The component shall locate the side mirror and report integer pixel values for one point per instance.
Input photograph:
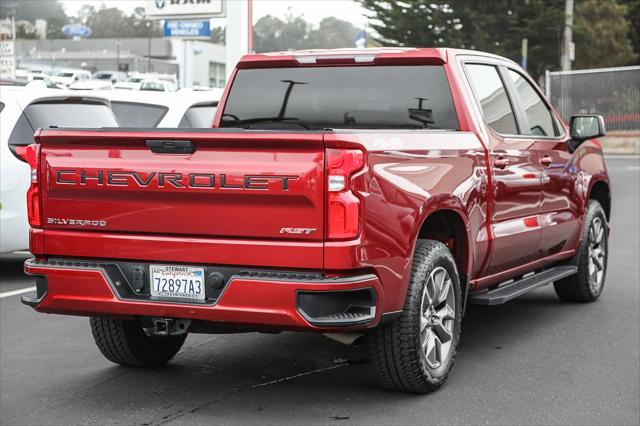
(583, 127)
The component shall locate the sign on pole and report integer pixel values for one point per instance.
(7, 59)
(189, 29)
(184, 9)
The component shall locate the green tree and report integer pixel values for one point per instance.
(414, 23)
(496, 26)
(332, 33)
(143, 27)
(113, 23)
(24, 31)
(106, 22)
(601, 35)
(30, 10)
(633, 19)
(54, 27)
(266, 34)
(273, 34)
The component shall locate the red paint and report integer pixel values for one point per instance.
(515, 219)
(258, 303)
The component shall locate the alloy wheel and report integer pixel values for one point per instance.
(437, 318)
(596, 254)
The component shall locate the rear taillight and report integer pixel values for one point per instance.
(30, 155)
(343, 206)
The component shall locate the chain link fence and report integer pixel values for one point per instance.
(612, 92)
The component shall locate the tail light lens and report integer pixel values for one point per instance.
(343, 206)
(30, 155)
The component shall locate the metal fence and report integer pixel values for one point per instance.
(612, 92)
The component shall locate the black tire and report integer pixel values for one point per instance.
(396, 348)
(124, 342)
(581, 287)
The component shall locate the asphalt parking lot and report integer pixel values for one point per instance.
(532, 361)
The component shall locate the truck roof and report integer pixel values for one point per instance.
(375, 55)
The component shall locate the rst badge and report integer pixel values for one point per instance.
(298, 231)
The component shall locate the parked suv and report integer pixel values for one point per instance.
(372, 192)
(22, 111)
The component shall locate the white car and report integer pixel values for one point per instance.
(184, 108)
(131, 83)
(135, 79)
(22, 111)
(70, 76)
(112, 76)
(92, 85)
(158, 85)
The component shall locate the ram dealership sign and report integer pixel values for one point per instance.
(161, 9)
(189, 29)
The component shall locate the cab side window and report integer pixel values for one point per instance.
(493, 98)
(538, 114)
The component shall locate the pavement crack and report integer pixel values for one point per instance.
(167, 418)
(295, 376)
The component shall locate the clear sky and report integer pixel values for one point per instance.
(312, 10)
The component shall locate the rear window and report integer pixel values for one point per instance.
(60, 114)
(131, 114)
(357, 97)
(151, 85)
(199, 116)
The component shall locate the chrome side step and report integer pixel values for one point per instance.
(512, 290)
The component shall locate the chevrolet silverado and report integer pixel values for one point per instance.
(371, 192)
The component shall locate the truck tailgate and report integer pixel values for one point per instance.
(237, 184)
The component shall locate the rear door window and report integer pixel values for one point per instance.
(199, 116)
(492, 95)
(540, 120)
(60, 114)
(132, 114)
(345, 97)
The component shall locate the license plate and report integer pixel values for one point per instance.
(177, 282)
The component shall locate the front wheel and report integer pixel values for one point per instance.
(416, 352)
(586, 285)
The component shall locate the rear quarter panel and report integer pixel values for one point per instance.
(410, 175)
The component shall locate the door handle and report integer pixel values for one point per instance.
(501, 163)
(546, 160)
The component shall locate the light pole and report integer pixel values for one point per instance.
(118, 53)
(148, 24)
(567, 39)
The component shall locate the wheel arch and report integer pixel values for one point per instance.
(449, 227)
(601, 192)
(449, 224)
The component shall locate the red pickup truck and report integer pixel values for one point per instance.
(347, 192)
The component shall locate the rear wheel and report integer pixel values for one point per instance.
(587, 284)
(416, 352)
(124, 342)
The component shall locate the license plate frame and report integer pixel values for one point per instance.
(177, 282)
